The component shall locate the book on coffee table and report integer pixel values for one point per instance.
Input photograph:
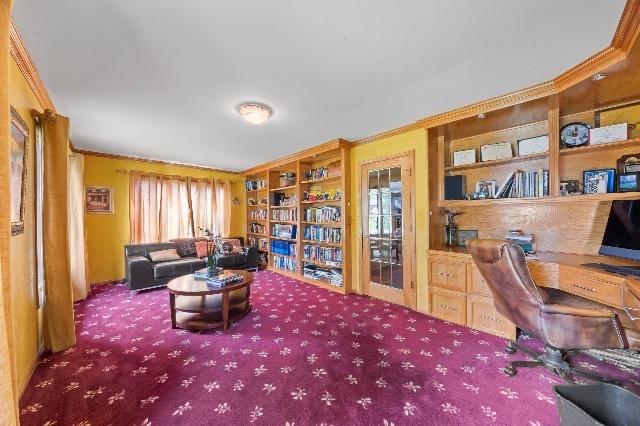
(223, 279)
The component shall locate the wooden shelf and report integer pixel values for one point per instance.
(284, 255)
(283, 207)
(586, 198)
(491, 163)
(256, 220)
(321, 264)
(284, 188)
(257, 190)
(322, 243)
(292, 222)
(602, 147)
(321, 201)
(257, 205)
(327, 179)
(255, 233)
(326, 224)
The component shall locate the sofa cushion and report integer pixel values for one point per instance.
(229, 246)
(185, 246)
(231, 260)
(201, 248)
(164, 255)
(182, 266)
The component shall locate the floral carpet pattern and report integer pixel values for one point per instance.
(303, 356)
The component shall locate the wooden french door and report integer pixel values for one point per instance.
(388, 237)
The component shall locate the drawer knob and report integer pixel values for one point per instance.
(581, 287)
(490, 318)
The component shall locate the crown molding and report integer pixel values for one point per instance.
(21, 55)
(309, 152)
(628, 27)
(146, 160)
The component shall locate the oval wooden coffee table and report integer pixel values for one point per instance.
(197, 306)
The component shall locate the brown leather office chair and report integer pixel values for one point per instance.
(562, 321)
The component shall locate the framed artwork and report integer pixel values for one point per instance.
(533, 145)
(464, 236)
(599, 181)
(98, 199)
(19, 150)
(628, 163)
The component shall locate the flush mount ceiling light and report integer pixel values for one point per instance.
(254, 113)
(598, 77)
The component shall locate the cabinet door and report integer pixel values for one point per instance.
(448, 305)
(457, 278)
(439, 272)
(483, 316)
(477, 283)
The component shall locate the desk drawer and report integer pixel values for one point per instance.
(476, 283)
(483, 316)
(448, 305)
(590, 288)
(449, 274)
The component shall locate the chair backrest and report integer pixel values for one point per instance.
(515, 295)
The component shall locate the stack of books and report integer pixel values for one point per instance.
(326, 275)
(520, 184)
(220, 280)
(523, 240)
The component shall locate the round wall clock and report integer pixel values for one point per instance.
(575, 134)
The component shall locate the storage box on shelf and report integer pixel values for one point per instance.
(306, 192)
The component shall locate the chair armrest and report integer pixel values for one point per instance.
(138, 271)
(251, 253)
(576, 311)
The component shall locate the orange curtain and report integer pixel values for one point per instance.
(223, 207)
(203, 205)
(175, 215)
(77, 236)
(8, 386)
(59, 329)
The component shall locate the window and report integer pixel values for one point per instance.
(163, 207)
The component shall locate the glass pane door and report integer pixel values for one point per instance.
(385, 227)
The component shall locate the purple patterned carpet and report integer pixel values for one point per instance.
(303, 356)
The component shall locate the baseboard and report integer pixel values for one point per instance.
(22, 386)
(119, 281)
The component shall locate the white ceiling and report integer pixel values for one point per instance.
(162, 79)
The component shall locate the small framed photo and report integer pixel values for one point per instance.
(599, 181)
(467, 156)
(629, 182)
(568, 187)
(98, 199)
(486, 188)
(534, 145)
(628, 163)
(464, 236)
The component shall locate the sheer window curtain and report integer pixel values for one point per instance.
(162, 208)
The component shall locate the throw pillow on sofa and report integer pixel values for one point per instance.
(230, 246)
(185, 246)
(164, 255)
(201, 248)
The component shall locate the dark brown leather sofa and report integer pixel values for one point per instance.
(141, 273)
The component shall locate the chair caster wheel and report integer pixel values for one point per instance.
(510, 350)
(509, 371)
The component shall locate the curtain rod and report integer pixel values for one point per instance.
(163, 176)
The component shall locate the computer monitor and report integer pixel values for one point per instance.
(622, 234)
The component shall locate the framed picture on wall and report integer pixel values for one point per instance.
(98, 199)
(18, 152)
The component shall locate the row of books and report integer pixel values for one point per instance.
(323, 214)
(330, 256)
(286, 263)
(327, 275)
(284, 248)
(258, 214)
(284, 214)
(284, 231)
(254, 185)
(220, 280)
(257, 228)
(322, 234)
(280, 199)
(261, 243)
(520, 184)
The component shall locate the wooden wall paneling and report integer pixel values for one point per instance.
(572, 165)
(554, 145)
(435, 178)
(346, 218)
(557, 227)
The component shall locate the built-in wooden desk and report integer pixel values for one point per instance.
(458, 293)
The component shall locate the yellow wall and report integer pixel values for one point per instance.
(26, 316)
(415, 140)
(107, 234)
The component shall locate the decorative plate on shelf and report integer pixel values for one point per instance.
(575, 134)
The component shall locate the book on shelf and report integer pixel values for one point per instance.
(323, 234)
(322, 214)
(284, 231)
(283, 248)
(330, 276)
(286, 263)
(521, 184)
(328, 255)
(256, 184)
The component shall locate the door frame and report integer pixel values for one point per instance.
(410, 246)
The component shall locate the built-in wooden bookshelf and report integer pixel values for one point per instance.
(321, 185)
